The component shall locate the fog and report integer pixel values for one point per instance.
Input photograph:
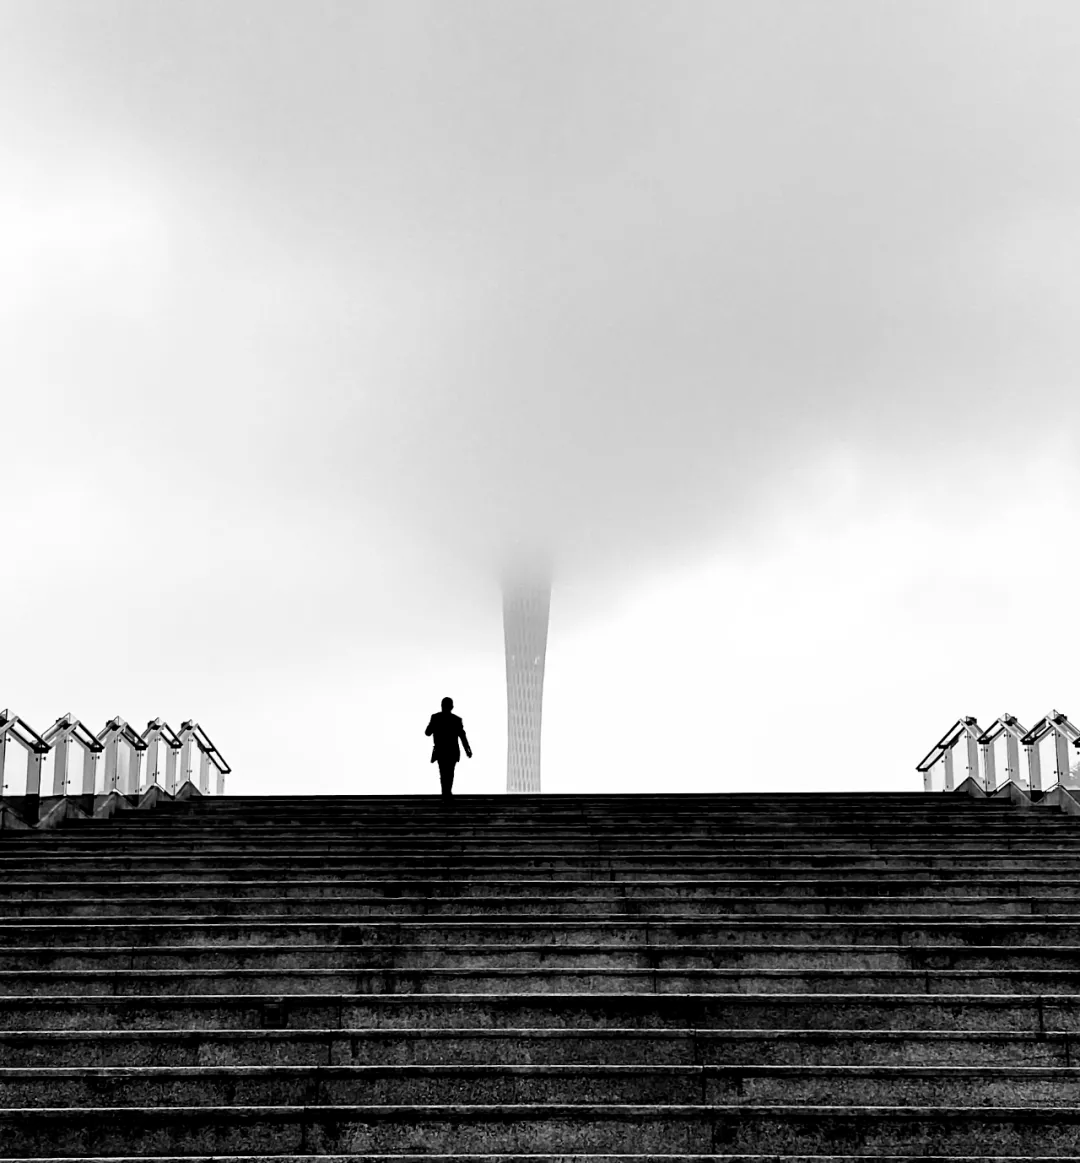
(316, 314)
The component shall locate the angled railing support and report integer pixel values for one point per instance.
(1009, 726)
(1065, 733)
(123, 756)
(14, 727)
(59, 737)
(209, 757)
(942, 751)
(158, 732)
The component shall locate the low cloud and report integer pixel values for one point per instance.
(337, 295)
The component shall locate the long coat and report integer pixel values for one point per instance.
(447, 728)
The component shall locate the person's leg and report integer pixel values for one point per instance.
(446, 775)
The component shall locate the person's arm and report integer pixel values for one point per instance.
(431, 726)
(464, 741)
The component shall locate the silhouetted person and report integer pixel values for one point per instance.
(447, 728)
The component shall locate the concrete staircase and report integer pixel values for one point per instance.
(737, 976)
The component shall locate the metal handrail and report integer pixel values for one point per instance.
(943, 750)
(1056, 723)
(123, 749)
(190, 731)
(156, 733)
(14, 727)
(60, 737)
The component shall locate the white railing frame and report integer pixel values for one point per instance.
(1065, 733)
(209, 756)
(1016, 735)
(59, 737)
(14, 727)
(116, 739)
(117, 734)
(1014, 731)
(158, 732)
(964, 728)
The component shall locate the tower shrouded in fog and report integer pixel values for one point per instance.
(526, 603)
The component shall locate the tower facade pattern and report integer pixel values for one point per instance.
(525, 626)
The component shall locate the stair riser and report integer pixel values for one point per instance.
(134, 891)
(553, 1010)
(514, 908)
(18, 900)
(1035, 847)
(904, 930)
(534, 1130)
(482, 1047)
(175, 870)
(159, 983)
(687, 1088)
(426, 957)
(818, 834)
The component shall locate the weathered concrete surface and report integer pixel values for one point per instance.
(778, 977)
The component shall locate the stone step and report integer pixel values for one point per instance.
(544, 941)
(540, 846)
(123, 958)
(609, 802)
(652, 837)
(564, 1157)
(457, 822)
(600, 868)
(639, 931)
(73, 909)
(547, 807)
(542, 980)
(648, 831)
(736, 1010)
(613, 1045)
(131, 888)
(573, 1084)
(531, 1128)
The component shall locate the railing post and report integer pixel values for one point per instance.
(186, 735)
(948, 770)
(1012, 758)
(61, 747)
(989, 768)
(172, 754)
(89, 771)
(111, 757)
(972, 758)
(151, 737)
(134, 766)
(1034, 766)
(34, 760)
(3, 758)
(1061, 758)
(204, 772)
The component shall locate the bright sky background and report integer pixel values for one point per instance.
(762, 317)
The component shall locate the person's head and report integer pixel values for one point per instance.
(448, 704)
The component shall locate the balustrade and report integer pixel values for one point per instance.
(124, 751)
(980, 743)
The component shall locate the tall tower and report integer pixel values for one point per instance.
(526, 602)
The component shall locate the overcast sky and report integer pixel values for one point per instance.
(760, 318)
